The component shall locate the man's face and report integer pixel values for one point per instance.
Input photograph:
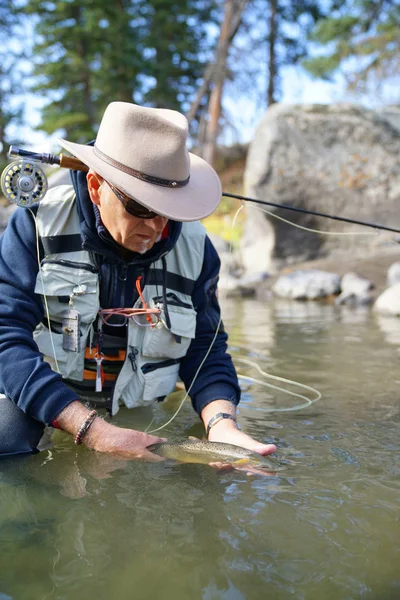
(133, 233)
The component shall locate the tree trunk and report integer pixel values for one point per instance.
(212, 73)
(272, 52)
(214, 108)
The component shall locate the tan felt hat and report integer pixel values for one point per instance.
(142, 151)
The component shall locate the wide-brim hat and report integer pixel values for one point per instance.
(142, 151)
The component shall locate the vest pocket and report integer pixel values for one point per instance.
(61, 280)
(174, 343)
(159, 381)
(70, 364)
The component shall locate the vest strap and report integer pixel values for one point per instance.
(172, 280)
(56, 244)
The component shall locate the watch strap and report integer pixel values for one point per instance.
(216, 419)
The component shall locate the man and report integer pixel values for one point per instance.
(124, 300)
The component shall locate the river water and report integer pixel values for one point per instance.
(74, 524)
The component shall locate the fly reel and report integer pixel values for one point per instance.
(23, 182)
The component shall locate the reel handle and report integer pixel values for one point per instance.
(69, 162)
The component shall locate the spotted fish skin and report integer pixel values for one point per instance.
(204, 452)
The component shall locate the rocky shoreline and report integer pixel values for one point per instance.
(372, 266)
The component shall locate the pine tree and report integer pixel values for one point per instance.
(86, 55)
(362, 35)
(176, 47)
(91, 52)
(280, 36)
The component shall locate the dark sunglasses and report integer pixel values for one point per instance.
(131, 206)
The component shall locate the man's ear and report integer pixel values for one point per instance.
(94, 182)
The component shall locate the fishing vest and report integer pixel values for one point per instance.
(68, 277)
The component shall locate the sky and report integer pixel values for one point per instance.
(297, 88)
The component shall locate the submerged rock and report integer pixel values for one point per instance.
(355, 290)
(310, 284)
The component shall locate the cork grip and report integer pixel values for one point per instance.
(68, 162)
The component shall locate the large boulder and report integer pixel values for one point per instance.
(338, 159)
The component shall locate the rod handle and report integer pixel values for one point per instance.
(68, 162)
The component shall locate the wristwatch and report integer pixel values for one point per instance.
(216, 418)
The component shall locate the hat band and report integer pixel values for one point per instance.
(138, 174)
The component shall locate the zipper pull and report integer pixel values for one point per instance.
(132, 357)
(99, 372)
(123, 274)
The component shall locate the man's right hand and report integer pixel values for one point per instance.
(107, 438)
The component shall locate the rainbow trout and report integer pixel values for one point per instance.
(194, 450)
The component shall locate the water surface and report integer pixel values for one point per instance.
(74, 524)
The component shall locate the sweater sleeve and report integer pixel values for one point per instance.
(25, 378)
(217, 379)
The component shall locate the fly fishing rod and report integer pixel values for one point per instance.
(311, 212)
(24, 183)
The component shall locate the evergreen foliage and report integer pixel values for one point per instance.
(90, 52)
(276, 35)
(364, 36)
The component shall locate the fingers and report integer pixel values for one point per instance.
(150, 457)
(221, 467)
(254, 471)
(264, 449)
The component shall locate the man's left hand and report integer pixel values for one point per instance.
(233, 435)
(226, 430)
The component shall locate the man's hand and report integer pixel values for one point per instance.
(121, 442)
(107, 438)
(227, 430)
(232, 435)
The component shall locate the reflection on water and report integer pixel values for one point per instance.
(75, 524)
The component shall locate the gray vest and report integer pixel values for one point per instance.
(72, 274)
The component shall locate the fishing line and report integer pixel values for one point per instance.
(43, 288)
(37, 180)
(311, 212)
(308, 402)
(318, 394)
(208, 351)
(271, 214)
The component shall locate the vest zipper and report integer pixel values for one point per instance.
(123, 276)
(70, 263)
(149, 367)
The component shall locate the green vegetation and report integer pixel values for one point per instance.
(88, 52)
(363, 36)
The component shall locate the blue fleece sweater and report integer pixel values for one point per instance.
(29, 381)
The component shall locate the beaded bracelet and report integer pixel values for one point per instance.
(85, 427)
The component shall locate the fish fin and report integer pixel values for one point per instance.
(240, 461)
(192, 438)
